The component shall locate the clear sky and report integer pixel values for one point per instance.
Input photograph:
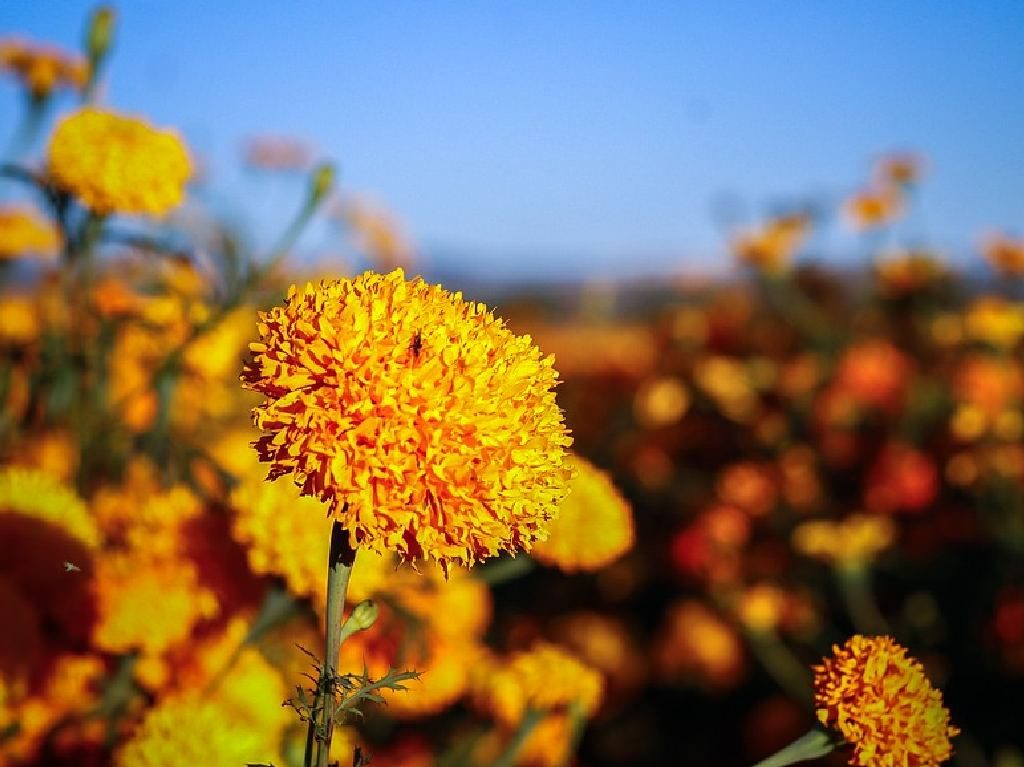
(549, 138)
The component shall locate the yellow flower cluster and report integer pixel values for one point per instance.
(594, 526)
(429, 428)
(849, 543)
(544, 678)
(187, 731)
(883, 705)
(41, 68)
(23, 232)
(118, 164)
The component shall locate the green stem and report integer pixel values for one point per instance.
(813, 745)
(503, 570)
(531, 719)
(783, 666)
(855, 586)
(340, 560)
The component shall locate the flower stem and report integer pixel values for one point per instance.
(813, 745)
(342, 557)
(531, 719)
(855, 586)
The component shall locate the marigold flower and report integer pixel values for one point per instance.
(661, 401)
(426, 425)
(543, 678)
(902, 479)
(594, 526)
(36, 494)
(23, 232)
(117, 164)
(1004, 254)
(189, 731)
(849, 543)
(883, 704)
(900, 169)
(772, 247)
(874, 373)
(872, 208)
(995, 321)
(42, 68)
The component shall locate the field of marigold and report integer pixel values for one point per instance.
(257, 512)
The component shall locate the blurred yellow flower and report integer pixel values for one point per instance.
(192, 731)
(36, 494)
(21, 323)
(883, 705)
(544, 678)
(1004, 254)
(117, 164)
(872, 208)
(594, 526)
(42, 68)
(899, 169)
(995, 321)
(661, 401)
(762, 607)
(905, 272)
(24, 232)
(695, 641)
(429, 428)
(849, 543)
(771, 248)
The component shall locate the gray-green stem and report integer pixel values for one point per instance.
(531, 719)
(340, 560)
(813, 745)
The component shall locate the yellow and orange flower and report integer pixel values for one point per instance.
(426, 425)
(594, 526)
(1004, 254)
(772, 247)
(118, 164)
(695, 642)
(24, 232)
(883, 705)
(849, 544)
(42, 68)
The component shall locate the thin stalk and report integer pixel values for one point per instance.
(342, 557)
(855, 586)
(531, 719)
(781, 664)
(813, 745)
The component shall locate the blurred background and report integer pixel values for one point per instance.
(777, 252)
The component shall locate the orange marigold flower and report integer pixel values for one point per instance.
(694, 641)
(771, 248)
(42, 68)
(23, 232)
(427, 426)
(594, 526)
(872, 208)
(118, 164)
(883, 704)
(874, 373)
(899, 169)
(1004, 254)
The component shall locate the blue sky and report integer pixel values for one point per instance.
(528, 138)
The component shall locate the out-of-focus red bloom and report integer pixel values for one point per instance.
(875, 374)
(902, 480)
(711, 547)
(748, 486)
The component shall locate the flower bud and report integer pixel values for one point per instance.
(363, 616)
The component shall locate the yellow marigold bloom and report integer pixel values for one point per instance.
(33, 493)
(117, 164)
(904, 272)
(1004, 254)
(761, 607)
(900, 169)
(42, 68)
(21, 323)
(996, 321)
(883, 704)
(594, 526)
(772, 247)
(873, 208)
(189, 731)
(695, 641)
(661, 401)
(850, 543)
(283, 535)
(23, 232)
(429, 428)
(543, 678)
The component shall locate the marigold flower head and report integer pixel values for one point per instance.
(426, 425)
(995, 321)
(772, 247)
(543, 678)
(850, 543)
(883, 705)
(875, 373)
(24, 232)
(189, 731)
(1004, 254)
(118, 164)
(594, 526)
(34, 493)
(42, 68)
(873, 208)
